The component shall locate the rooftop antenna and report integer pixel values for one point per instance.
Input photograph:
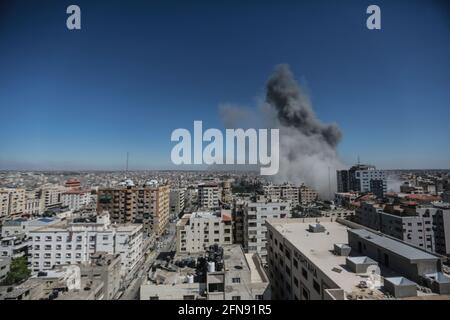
(126, 169)
(358, 160)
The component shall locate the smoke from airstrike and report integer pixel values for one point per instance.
(307, 146)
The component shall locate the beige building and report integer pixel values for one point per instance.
(12, 202)
(208, 195)
(32, 203)
(148, 204)
(307, 195)
(51, 196)
(198, 230)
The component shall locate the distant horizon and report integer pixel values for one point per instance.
(136, 71)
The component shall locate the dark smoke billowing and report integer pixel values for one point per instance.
(307, 146)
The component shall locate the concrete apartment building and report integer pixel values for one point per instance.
(255, 216)
(104, 267)
(424, 227)
(208, 195)
(33, 203)
(307, 195)
(230, 275)
(147, 204)
(198, 230)
(238, 221)
(362, 178)
(76, 199)
(12, 203)
(50, 196)
(72, 242)
(285, 192)
(176, 201)
(326, 260)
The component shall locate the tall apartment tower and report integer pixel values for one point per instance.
(255, 216)
(147, 204)
(362, 178)
(208, 195)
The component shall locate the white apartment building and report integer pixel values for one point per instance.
(75, 242)
(76, 199)
(198, 230)
(255, 216)
(208, 195)
(365, 177)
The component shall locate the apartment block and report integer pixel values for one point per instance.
(323, 260)
(255, 216)
(424, 227)
(12, 202)
(76, 199)
(362, 178)
(307, 195)
(75, 242)
(176, 201)
(208, 195)
(198, 230)
(147, 204)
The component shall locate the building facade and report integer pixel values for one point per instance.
(76, 242)
(198, 230)
(148, 205)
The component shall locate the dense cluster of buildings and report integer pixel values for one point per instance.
(233, 236)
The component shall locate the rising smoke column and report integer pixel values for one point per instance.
(307, 146)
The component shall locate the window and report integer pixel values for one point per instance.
(305, 294)
(288, 271)
(296, 282)
(316, 286)
(236, 298)
(296, 264)
(236, 280)
(305, 273)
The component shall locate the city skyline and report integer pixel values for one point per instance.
(134, 73)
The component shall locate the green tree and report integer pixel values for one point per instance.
(18, 271)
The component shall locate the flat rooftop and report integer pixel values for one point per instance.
(396, 247)
(318, 248)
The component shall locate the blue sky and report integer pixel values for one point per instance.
(140, 69)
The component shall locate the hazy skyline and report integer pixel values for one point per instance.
(138, 70)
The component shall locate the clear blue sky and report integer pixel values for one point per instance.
(139, 69)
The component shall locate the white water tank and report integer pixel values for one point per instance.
(211, 267)
(190, 278)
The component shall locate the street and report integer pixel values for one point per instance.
(166, 243)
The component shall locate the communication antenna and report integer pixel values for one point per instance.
(358, 160)
(126, 168)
